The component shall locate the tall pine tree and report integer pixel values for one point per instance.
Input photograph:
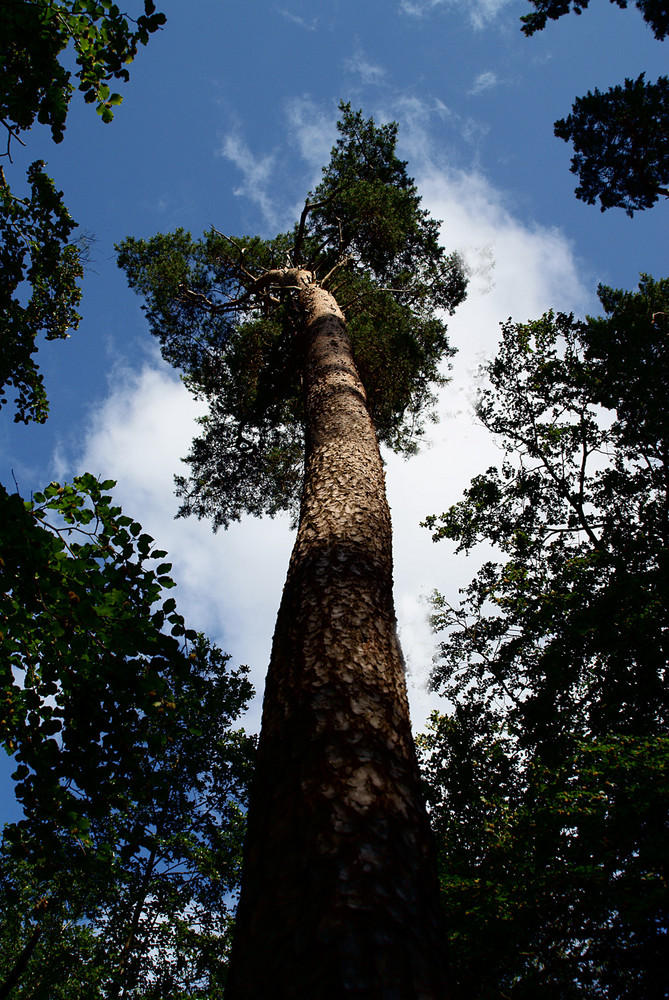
(310, 348)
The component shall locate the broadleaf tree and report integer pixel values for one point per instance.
(310, 348)
(131, 777)
(619, 135)
(117, 881)
(549, 777)
(40, 260)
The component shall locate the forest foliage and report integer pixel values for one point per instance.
(119, 719)
(620, 134)
(40, 258)
(548, 777)
(548, 781)
(132, 780)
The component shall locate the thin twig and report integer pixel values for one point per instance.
(342, 262)
(12, 135)
(240, 249)
(309, 207)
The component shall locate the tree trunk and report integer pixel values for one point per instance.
(339, 892)
(21, 964)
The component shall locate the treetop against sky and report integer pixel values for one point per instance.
(226, 121)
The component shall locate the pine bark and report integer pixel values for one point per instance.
(339, 891)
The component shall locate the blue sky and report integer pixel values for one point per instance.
(228, 116)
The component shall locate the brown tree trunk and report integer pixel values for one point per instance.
(23, 959)
(339, 893)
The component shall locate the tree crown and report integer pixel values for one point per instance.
(621, 144)
(33, 35)
(226, 312)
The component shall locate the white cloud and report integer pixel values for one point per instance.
(229, 584)
(367, 71)
(313, 130)
(302, 22)
(257, 172)
(484, 81)
(480, 12)
(422, 120)
(473, 130)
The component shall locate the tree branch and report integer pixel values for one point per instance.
(309, 207)
(24, 956)
(342, 262)
(241, 250)
(12, 135)
(280, 277)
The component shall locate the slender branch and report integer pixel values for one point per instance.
(300, 230)
(240, 249)
(585, 454)
(311, 263)
(120, 985)
(356, 298)
(21, 963)
(342, 262)
(563, 490)
(197, 298)
(12, 135)
(283, 277)
(309, 207)
(554, 529)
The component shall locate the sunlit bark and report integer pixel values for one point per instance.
(339, 892)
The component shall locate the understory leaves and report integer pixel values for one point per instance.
(132, 781)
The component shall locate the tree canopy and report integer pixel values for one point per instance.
(621, 143)
(119, 878)
(225, 312)
(549, 779)
(35, 248)
(620, 134)
(654, 13)
(41, 262)
(35, 83)
(132, 782)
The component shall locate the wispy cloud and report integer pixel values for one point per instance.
(484, 81)
(417, 117)
(256, 173)
(309, 25)
(313, 133)
(312, 130)
(362, 67)
(480, 12)
(473, 130)
(424, 124)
